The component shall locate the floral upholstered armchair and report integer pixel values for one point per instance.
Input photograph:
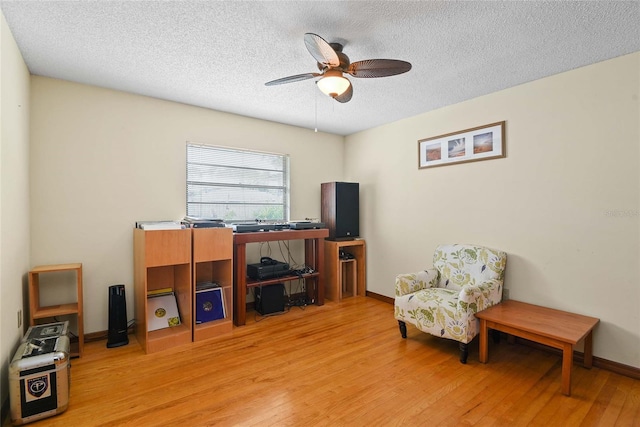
(443, 300)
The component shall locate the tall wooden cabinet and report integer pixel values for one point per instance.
(212, 261)
(162, 259)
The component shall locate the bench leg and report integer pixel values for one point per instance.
(567, 366)
(484, 341)
(588, 350)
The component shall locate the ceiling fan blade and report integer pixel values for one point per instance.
(321, 50)
(346, 96)
(370, 68)
(291, 79)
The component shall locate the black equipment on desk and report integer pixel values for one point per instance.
(251, 227)
(267, 268)
(306, 225)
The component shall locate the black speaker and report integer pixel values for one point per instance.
(117, 317)
(270, 299)
(341, 209)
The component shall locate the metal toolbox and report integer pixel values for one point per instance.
(46, 331)
(39, 374)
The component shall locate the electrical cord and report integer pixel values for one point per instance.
(289, 255)
(285, 254)
(267, 244)
(302, 301)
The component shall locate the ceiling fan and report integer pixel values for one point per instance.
(332, 63)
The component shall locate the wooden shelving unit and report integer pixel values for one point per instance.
(39, 314)
(162, 259)
(212, 261)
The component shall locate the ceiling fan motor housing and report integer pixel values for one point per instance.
(343, 58)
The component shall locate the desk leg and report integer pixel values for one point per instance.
(484, 341)
(240, 284)
(567, 365)
(314, 254)
(588, 350)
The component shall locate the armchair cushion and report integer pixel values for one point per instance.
(434, 310)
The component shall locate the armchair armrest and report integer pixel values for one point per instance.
(476, 297)
(413, 282)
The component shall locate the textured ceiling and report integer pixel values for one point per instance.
(219, 54)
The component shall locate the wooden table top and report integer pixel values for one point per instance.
(557, 324)
(274, 235)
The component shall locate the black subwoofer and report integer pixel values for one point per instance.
(341, 209)
(270, 299)
(117, 335)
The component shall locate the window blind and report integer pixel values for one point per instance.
(236, 185)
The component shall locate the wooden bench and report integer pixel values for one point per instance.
(555, 328)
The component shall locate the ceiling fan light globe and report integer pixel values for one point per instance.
(333, 85)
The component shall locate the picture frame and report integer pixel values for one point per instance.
(469, 145)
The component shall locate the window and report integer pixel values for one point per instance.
(237, 185)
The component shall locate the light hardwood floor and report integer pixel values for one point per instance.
(339, 364)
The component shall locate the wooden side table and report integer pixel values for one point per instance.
(555, 328)
(333, 266)
(38, 312)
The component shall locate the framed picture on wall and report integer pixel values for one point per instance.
(479, 143)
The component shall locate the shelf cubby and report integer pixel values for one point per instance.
(212, 258)
(162, 259)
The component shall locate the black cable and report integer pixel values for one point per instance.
(280, 244)
(292, 261)
(262, 244)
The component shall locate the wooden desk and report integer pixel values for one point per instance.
(313, 255)
(555, 328)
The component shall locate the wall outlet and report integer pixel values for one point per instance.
(505, 294)
(19, 318)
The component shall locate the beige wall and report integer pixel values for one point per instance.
(564, 203)
(14, 195)
(103, 159)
